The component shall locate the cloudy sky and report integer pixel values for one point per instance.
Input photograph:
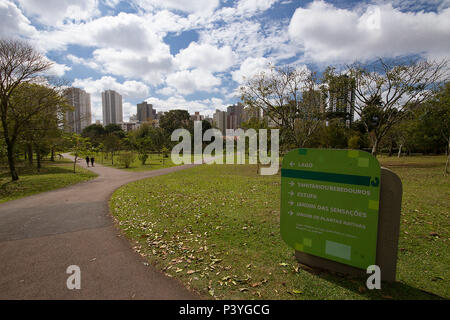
(194, 54)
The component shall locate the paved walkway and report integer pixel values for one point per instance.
(41, 235)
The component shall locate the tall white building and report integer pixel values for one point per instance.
(220, 120)
(112, 107)
(81, 116)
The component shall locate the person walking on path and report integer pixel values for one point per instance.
(87, 160)
(92, 161)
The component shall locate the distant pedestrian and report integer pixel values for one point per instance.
(87, 161)
(92, 161)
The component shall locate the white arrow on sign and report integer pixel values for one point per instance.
(291, 203)
(292, 164)
(290, 213)
(292, 183)
(291, 193)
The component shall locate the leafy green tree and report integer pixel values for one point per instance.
(391, 90)
(115, 129)
(19, 64)
(175, 119)
(335, 135)
(42, 132)
(95, 132)
(112, 144)
(354, 142)
(143, 146)
(79, 147)
(126, 158)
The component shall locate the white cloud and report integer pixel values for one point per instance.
(126, 45)
(199, 7)
(243, 9)
(328, 34)
(249, 68)
(124, 31)
(128, 63)
(58, 70)
(190, 81)
(205, 107)
(252, 6)
(244, 37)
(128, 110)
(167, 91)
(56, 12)
(206, 57)
(13, 23)
(84, 62)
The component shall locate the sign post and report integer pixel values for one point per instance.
(330, 208)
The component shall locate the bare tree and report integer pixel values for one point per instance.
(280, 94)
(390, 89)
(19, 63)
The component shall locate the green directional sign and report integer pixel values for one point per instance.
(329, 204)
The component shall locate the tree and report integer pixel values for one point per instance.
(334, 135)
(42, 130)
(354, 142)
(19, 63)
(435, 123)
(79, 146)
(143, 146)
(289, 97)
(95, 133)
(175, 119)
(126, 158)
(115, 129)
(391, 89)
(111, 144)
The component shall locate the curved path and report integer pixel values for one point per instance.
(41, 235)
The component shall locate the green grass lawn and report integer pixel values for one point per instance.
(51, 176)
(216, 229)
(154, 162)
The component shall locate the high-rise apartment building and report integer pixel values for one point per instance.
(197, 117)
(341, 99)
(112, 107)
(220, 120)
(250, 113)
(145, 112)
(234, 116)
(81, 116)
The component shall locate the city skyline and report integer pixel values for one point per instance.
(194, 56)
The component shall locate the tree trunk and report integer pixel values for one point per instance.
(12, 163)
(400, 151)
(446, 164)
(74, 164)
(30, 153)
(448, 157)
(52, 156)
(391, 147)
(375, 148)
(38, 159)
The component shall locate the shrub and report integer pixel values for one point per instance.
(126, 158)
